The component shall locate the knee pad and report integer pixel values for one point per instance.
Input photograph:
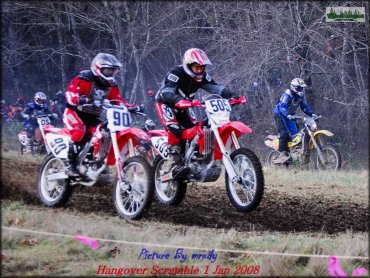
(174, 134)
(30, 131)
(77, 133)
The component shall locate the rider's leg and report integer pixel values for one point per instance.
(77, 130)
(174, 141)
(169, 119)
(30, 134)
(283, 140)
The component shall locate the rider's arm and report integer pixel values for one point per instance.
(77, 88)
(284, 104)
(209, 85)
(306, 108)
(26, 112)
(168, 91)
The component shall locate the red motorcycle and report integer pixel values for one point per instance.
(213, 142)
(134, 189)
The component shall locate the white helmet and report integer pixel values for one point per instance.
(149, 124)
(297, 85)
(104, 66)
(195, 56)
(40, 98)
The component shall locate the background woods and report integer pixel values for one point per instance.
(256, 48)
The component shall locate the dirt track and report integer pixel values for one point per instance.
(206, 206)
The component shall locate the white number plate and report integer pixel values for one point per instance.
(58, 144)
(118, 118)
(161, 145)
(217, 105)
(43, 121)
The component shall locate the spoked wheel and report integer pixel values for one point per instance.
(171, 192)
(52, 183)
(246, 194)
(134, 195)
(332, 159)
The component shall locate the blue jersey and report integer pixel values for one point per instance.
(288, 103)
(33, 109)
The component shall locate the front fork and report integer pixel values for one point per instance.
(317, 147)
(226, 159)
(118, 158)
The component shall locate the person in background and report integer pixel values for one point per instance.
(37, 107)
(284, 110)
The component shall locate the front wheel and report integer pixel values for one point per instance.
(171, 192)
(245, 194)
(52, 182)
(133, 197)
(332, 159)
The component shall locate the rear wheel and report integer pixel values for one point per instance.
(171, 192)
(332, 159)
(133, 197)
(246, 194)
(52, 183)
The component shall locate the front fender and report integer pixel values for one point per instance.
(318, 134)
(123, 137)
(238, 127)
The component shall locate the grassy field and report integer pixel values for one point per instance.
(34, 254)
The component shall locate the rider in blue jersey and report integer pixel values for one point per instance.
(38, 106)
(288, 103)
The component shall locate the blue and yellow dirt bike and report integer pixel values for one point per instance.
(308, 145)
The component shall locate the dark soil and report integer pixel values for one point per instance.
(204, 206)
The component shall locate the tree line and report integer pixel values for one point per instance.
(255, 47)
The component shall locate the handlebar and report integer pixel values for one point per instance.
(294, 117)
(183, 104)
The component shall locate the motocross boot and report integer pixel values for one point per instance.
(28, 146)
(71, 163)
(282, 158)
(178, 168)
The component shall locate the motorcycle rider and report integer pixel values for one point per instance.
(90, 87)
(148, 125)
(181, 83)
(38, 106)
(283, 112)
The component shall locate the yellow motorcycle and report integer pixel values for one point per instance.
(309, 144)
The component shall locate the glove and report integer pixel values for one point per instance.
(290, 117)
(183, 104)
(27, 117)
(97, 103)
(314, 116)
(83, 100)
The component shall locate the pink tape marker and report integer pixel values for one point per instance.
(335, 270)
(93, 243)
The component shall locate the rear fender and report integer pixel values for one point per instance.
(123, 137)
(319, 133)
(239, 128)
(272, 141)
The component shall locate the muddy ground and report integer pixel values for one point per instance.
(208, 206)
